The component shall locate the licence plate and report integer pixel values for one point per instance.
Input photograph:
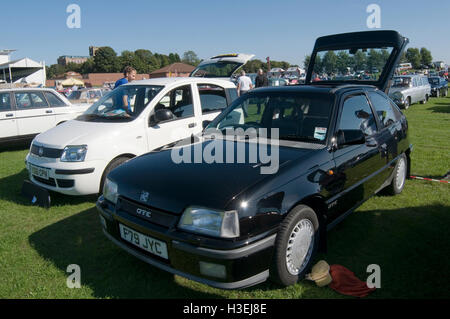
(145, 242)
(39, 171)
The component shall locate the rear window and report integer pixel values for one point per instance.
(212, 98)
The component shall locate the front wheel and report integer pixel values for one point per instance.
(295, 246)
(112, 165)
(407, 103)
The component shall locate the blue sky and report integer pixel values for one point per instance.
(283, 29)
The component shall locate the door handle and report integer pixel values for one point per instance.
(9, 115)
(192, 125)
(49, 111)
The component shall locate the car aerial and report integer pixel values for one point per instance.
(88, 96)
(74, 158)
(26, 112)
(229, 224)
(439, 86)
(409, 89)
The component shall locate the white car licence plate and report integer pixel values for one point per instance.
(39, 171)
(145, 242)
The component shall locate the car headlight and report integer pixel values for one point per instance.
(110, 191)
(74, 153)
(210, 222)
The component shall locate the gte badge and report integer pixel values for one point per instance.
(144, 213)
(144, 196)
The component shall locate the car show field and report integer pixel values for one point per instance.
(406, 235)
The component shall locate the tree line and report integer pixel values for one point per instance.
(106, 60)
(371, 60)
(144, 61)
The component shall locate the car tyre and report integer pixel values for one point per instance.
(112, 165)
(400, 172)
(407, 103)
(295, 246)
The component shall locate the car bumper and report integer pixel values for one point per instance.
(79, 178)
(244, 265)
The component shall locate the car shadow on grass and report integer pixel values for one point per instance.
(106, 269)
(14, 146)
(11, 190)
(440, 108)
(409, 244)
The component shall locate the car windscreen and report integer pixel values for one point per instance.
(75, 95)
(123, 104)
(296, 116)
(216, 69)
(365, 64)
(433, 81)
(400, 82)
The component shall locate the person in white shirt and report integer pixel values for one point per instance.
(244, 84)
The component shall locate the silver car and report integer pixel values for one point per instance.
(410, 89)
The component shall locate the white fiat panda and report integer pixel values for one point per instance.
(75, 157)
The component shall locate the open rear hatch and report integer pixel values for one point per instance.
(221, 66)
(367, 57)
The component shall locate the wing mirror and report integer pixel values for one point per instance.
(350, 137)
(161, 115)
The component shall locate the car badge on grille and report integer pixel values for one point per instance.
(144, 196)
(41, 151)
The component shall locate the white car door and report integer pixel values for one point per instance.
(186, 119)
(8, 123)
(33, 114)
(61, 109)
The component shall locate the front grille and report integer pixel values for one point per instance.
(157, 217)
(46, 151)
(65, 183)
(49, 182)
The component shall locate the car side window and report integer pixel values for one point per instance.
(212, 98)
(53, 100)
(179, 101)
(29, 100)
(5, 102)
(357, 114)
(383, 108)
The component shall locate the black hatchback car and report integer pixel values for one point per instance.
(233, 221)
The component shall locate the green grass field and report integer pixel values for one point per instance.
(407, 235)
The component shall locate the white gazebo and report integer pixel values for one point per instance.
(23, 71)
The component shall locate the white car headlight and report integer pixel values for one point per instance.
(210, 222)
(74, 153)
(110, 191)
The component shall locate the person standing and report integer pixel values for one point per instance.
(129, 75)
(261, 80)
(244, 84)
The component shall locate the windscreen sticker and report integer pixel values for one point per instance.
(320, 133)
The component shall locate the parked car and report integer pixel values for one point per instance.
(88, 96)
(26, 112)
(439, 86)
(410, 89)
(74, 158)
(222, 66)
(227, 225)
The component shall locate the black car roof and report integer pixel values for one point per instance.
(315, 88)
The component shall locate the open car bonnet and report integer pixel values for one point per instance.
(221, 66)
(367, 57)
